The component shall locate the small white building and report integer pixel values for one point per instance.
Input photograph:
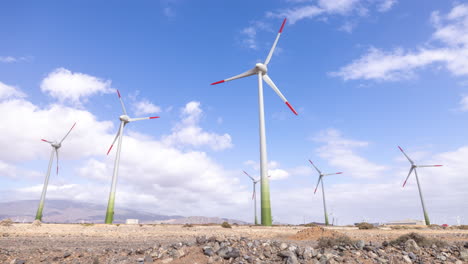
(407, 222)
(131, 222)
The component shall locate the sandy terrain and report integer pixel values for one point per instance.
(31, 242)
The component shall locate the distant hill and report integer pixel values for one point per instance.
(65, 211)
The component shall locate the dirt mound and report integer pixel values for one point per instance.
(6, 222)
(36, 223)
(314, 233)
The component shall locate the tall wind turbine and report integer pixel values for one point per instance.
(55, 147)
(320, 180)
(254, 195)
(124, 120)
(261, 70)
(413, 168)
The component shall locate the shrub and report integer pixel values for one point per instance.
(6, 222)
(226, 225)
(419, 239)
(463, 227)
(187, 225)
(87, 224)
(328, 242)
(365, 225)
(309, 225)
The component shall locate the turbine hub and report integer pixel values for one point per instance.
(261, 68)
(124, 118)
(56, 145)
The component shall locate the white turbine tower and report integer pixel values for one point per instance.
(413, 168)
(124, 120)
(261, 70)
(55, 147)
(320, 180)
(254, 195)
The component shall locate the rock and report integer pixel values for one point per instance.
(458, 262)
(411, 246)
(66, 255)
(148, 259)
(208, 251)
(140, 260)
(442, 257)
(308, 253)
(372, 255)
(18, 261)
(412, 256)
(407, 259)
(290, 256)
(283, 246)
(464, 254)
(201, 240)
(360, 244)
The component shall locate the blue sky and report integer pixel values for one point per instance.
(365, 76)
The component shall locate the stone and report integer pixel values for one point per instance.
(140, 260)
(208, 251)
(442, 257)
(372, 255)
(201, 240)
(308, 253)
(360, 244)
(290, 256)
(66, 255)
(18, 261)
(412, 246)
(464, 254)
(283, 246)
(407, 259)
(412, 256)
(148, 259)
(167, 260)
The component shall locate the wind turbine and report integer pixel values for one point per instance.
(124, 120)
(413, 168)
(261, 70)
(55, 147)
(320, 180)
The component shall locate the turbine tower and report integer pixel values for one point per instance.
(55, 147)
(124, 120)
(413, 168)
(320, 180)
(254, 196)
(261, 70)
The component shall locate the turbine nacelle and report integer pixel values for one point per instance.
(56, 144)
(124, 118)
(260, 67)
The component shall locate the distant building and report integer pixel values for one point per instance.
(406, 222)
(131, 221)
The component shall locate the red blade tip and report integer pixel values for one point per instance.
(315, 190)
(153, 117)
(282, 26)
(438, 165)
(44, 140)
(217, 82)
(118, 93)
(400, 148)
(109, 149)
(290, 107)
(339, 173)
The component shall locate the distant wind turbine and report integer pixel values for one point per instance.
(254, 196)
(124, 120)
(413, 168)
(55, 147)
(320, 180)
(261, 70)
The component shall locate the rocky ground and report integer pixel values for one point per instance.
(176, 244)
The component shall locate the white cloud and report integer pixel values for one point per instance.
(145, 107)
(7, 91)
(452, 52)
(189, 133)
(75, 88)
(464, 103)
(274, 170)
(8, 59)
(386, 5)
(341, 154)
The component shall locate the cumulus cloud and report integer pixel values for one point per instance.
(274, 170)
(145, 107)
(8, 91)
(450, 51)
(341, 154)
(189, 133)
(66, 86)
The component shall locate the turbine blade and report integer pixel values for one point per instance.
(56, 153)
(47, 141)
(249, 176)
(429, 166)
(143, 118)
(113, 142)
(242, 75)
(272, 50)
(410, 160)
(320, 178)
(122, 103)
(270, 82)
(253, 194)
(409, 174)
(328, 174)
(67, 133)
(315, 167)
